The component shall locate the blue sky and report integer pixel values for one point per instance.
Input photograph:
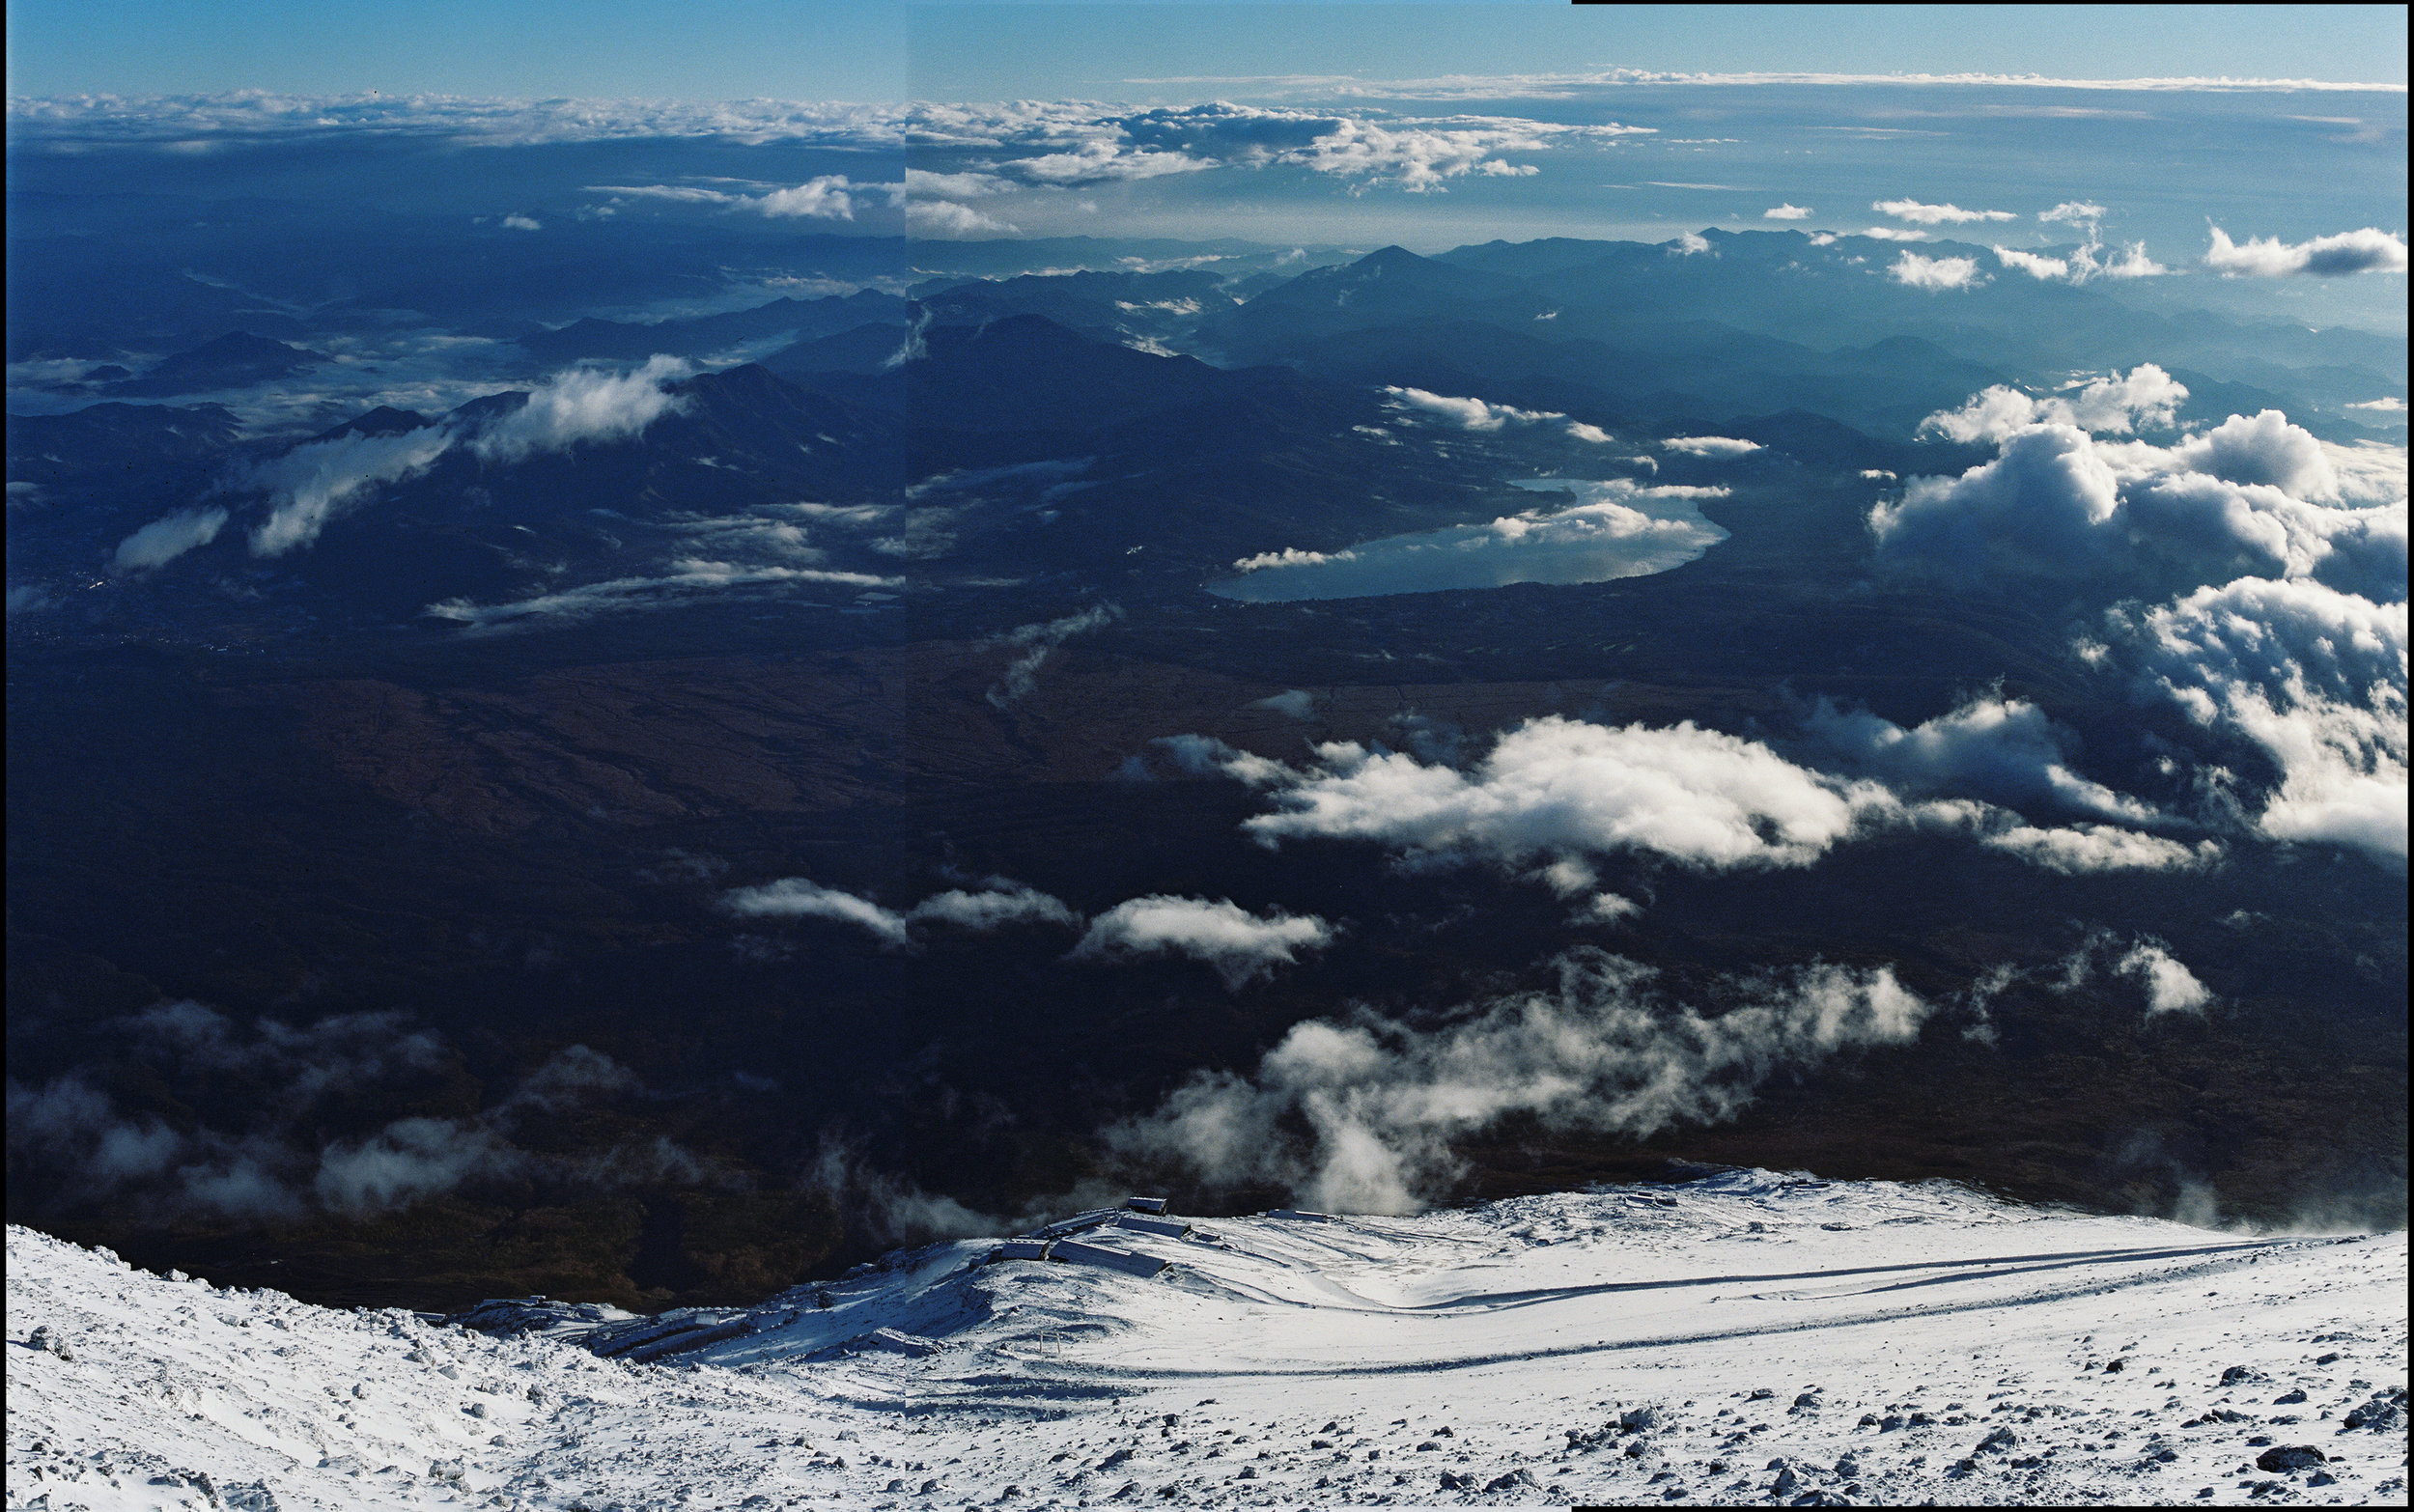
(804, 50)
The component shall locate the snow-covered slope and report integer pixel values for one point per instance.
(1747, 1338)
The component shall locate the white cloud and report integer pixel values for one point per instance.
(1360, 1113)
(797, 898)
(2370, 251)
(1691, 243)
(954, 185)
(1037, 642)
(1593, 433)
(310, 483)
(1615, 529)
(1936, 272)
(1999, 748)
(2032, 264)
(1240, 945)
(2083, 849)
(1786, 213)
(2240, 499)
(1101, 161)
(168, 538)
(1555, 788)
(2169, 986)
(998, 902)
(580, 404)
(2146, 396)
(1722, 447)
(2387, 404)
(823, 198)
(2073, 212)
(947, 218)
(2314, 678)
(687, 579)
(1919, 214)
(1896, 234)
(522, 223)
(1291, 556)
(1471, 414)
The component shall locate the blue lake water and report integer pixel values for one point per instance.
(1613, 529)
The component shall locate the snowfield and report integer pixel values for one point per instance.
(1749, 1337)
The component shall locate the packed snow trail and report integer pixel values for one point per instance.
(1745, 1338)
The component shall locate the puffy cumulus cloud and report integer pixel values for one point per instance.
(1786, 213)
(1038, 641)
(2146, 396)
(2314, 678)
(1914, 271)
(1554, 794)
(1471, 414)
(2370, 251)
(2169, 986)
(1291, 556)
(2252, 497)
(686, 580)
(522, 223)
(1999, 748)
(1691, 243)
(1555, 788)
(1892, 234)
(947, 218)
(1362, 1114)
(168, 538)
(2086, 262)
(310, 485)
(823, 198)
(1722, 447)
(1240, 946)
(1919, 214)
(581, 405)
(994, 904)
(1587, 433)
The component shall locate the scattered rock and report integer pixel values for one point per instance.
(1514, 1481)
(2237, 1375)
(2000, 1439)
(1451, 1480)
(2385, 1412)
(2116, 1367)
(1641, 1419)
(2290, 1457)
(2288, 1398)
(50, 1342)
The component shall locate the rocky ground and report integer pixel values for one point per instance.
(1745, 1338)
